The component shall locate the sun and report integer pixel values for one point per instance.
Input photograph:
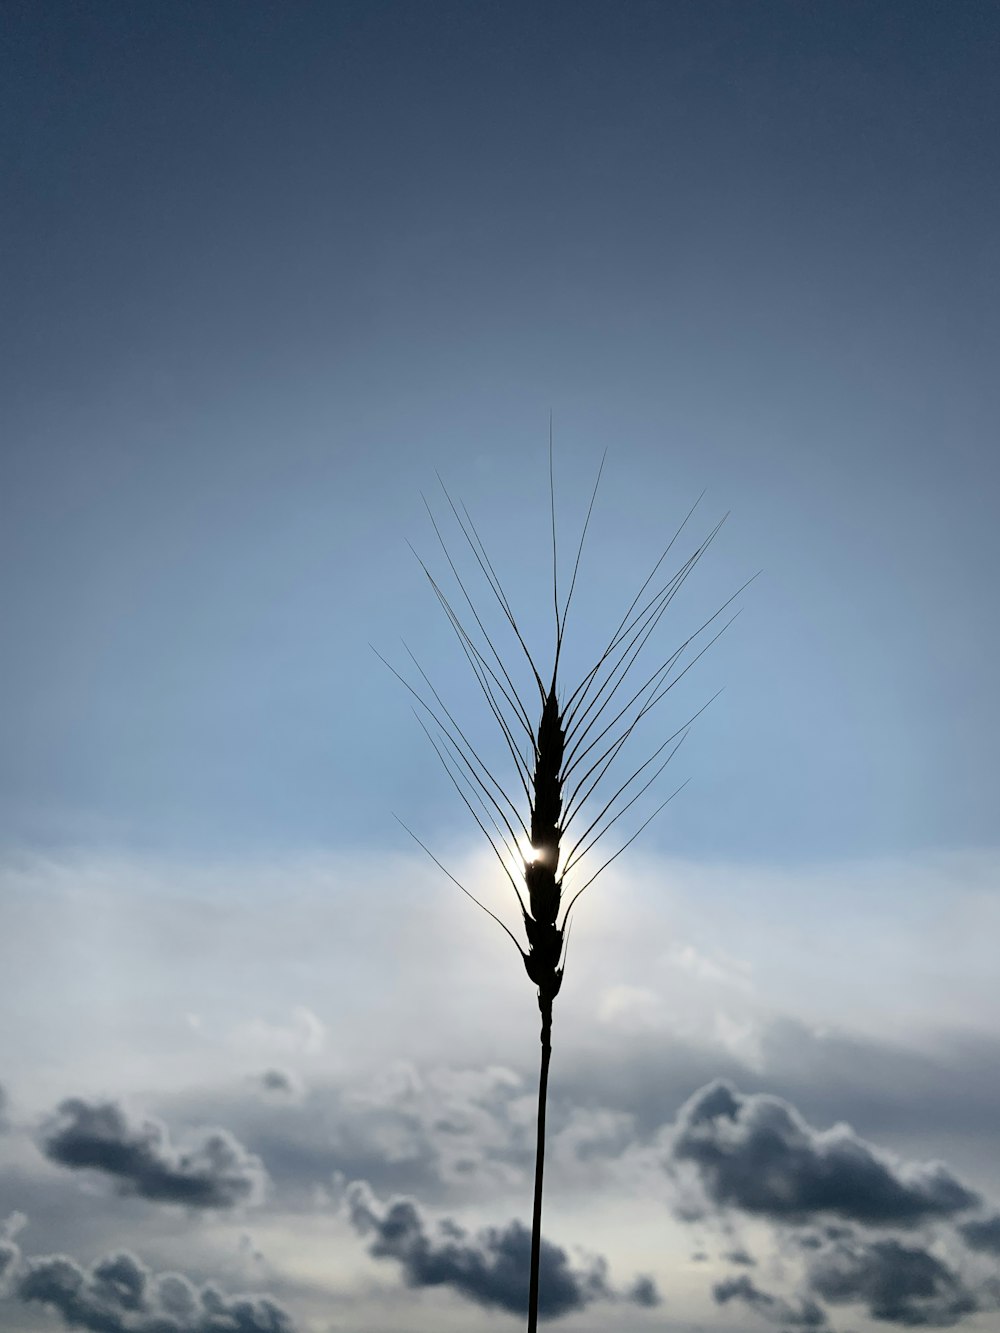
(529, 854)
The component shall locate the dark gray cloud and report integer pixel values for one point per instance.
(277, 1080)
(644, 1291)
(741, 1256)
(215, 1171)
(757, 1153)
(118, 1294)
(982, 1234)
(803, 1313)
(489, 1268)
(901, 1284)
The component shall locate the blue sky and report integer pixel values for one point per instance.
(266, 270)
(266, 273)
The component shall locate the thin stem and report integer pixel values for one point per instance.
(545, 1005)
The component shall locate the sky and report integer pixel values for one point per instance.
(277, 280)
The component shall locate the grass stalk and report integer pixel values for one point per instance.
(602, 714)
(536, 1212)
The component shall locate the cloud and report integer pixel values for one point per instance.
(277, 1080)
(118, 1294)
(757, 1153)
(644, 1291)
(433, 1129)
(901, 1284)
(805, 1313)
(10, 1257)
(427, 1131)
(489, 1268)
(815, 1240)
(304, 1035)
(741, 1256)
(216, 1171)
(4, 1123)
(982, 1235)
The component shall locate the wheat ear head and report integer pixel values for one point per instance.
(564, 769)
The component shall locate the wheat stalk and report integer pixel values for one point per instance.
(563, 763)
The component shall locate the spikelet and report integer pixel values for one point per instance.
(541, 872)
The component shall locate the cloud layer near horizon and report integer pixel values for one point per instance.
(834, 1198)
(759, 1162)
(119, 1294)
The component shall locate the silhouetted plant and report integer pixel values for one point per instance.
(567, 765)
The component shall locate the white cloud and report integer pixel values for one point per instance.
(303, 1034)
(704, 968)
(631, 1007)
(175, 973)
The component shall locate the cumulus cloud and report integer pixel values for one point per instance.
(901, 1284)
(215, 1171)
(489, 1267)
(982, 1234)
(118, 1294)
(803, 1313)
(757, 1153)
